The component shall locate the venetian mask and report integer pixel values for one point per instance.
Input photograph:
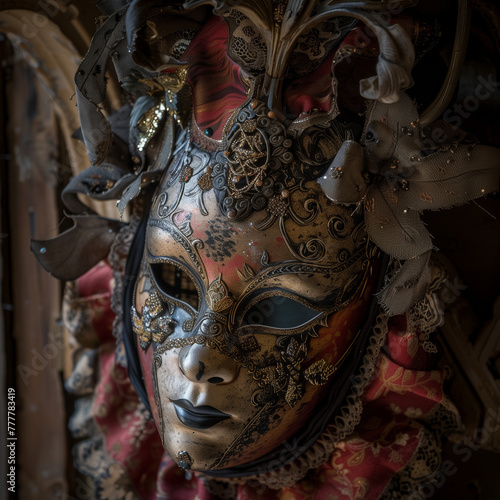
(242, 324)
(254, 285)
(252, 304)
(272, 131)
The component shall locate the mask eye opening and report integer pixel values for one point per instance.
(278, 312)
(174, 282)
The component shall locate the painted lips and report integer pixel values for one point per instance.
(198, 417)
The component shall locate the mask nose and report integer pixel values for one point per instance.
(203, 365)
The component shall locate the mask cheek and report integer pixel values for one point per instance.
(141, 293)
(278, 367)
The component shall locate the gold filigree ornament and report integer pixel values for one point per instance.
(257, 147)
(155, 325)
(218, 298)
(205, 180)
(319, 372)
(247, 158)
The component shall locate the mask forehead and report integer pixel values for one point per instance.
(316, 248)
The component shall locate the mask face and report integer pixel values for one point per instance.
(253, 285)
(241, 325)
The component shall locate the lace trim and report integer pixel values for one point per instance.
(427, 315)
(220, 489)
(343, 425)
(444, 418)
(410, 482)
(417, 477)
(109, 478)
(118, 260)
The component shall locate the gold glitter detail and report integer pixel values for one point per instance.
(205, 180)
(319, 372)
(277, 206)
(153, 326)
(149, 123)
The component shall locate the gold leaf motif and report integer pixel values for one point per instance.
(319, 372)
(218, 298)
(138, 328)
(293, 393)
(247, 274)
(153, 325)
(173, 82)
(205, 180)
(166, 82)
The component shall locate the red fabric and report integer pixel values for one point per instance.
(311, 92)
(130, 440)
(95, 286)
(217, 82)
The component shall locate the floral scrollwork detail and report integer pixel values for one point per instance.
(155, 325)
(218, 298)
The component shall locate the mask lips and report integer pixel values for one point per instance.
(198, 417)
